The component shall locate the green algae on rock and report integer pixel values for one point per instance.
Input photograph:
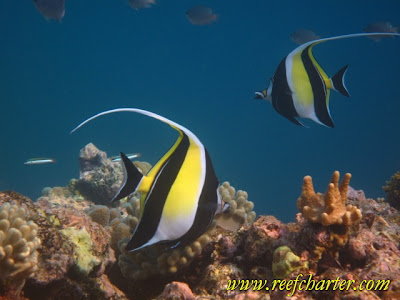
(285, 262)
(85, 261)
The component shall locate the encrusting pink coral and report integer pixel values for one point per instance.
(330, 208)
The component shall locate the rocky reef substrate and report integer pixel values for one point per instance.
(69, 244)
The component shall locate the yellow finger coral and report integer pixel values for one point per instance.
(330, 208)
(18, 244)
(240, 210)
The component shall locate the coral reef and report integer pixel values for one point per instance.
(392, 189)
(18, 245)
(330, 208)
(58, 261)
(90, 241)
(340, 235)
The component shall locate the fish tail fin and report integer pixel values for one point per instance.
(132, 179)
(338, 81)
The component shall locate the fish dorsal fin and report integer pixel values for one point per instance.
(132, 179)
(145, 183)
(346, 36)
(311, 44)
(174, 125)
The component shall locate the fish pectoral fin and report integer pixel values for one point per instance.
(132, 179)
(338, 82)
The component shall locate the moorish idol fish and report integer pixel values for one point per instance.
(179, 195)
(129, 156)
(39, 161)
(300, 87)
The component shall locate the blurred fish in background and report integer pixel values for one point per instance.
(201, 15)
(302, 36)
(129, 156)
(137, 4)
(51, 9)
(384, 26)
(39, 161)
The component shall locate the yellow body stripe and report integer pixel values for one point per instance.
(149, 179)
(327, 80)
(301, 82)
(186, 186)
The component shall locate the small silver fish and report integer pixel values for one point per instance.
(384, 27)
(39, 161)
(302, 36)
(136, 4)
(201, 15)
(51, 9)
(130, 156)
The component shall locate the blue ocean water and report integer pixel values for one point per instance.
(105, 55)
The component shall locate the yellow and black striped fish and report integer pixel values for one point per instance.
(179, 195)
(300, 87)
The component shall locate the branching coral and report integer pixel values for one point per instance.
(18, 244)
(392, 190)
(330, 208)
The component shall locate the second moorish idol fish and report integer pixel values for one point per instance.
(129, 156)
(179, 195)
(300, 87)
(39, 161)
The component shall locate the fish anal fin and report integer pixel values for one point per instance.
(295, 121)
(338, 81)
(132, 179)
(328, 122)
